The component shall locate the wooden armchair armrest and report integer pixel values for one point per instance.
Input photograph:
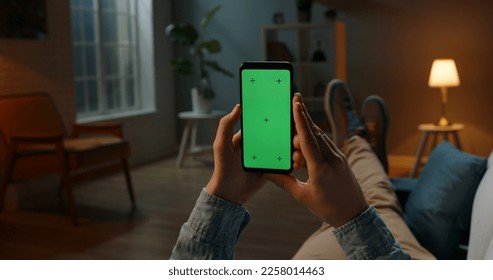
(36, 139)
(31, 141)
(98, 128)
(25, 145)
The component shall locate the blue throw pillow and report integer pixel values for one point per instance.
(438, 211)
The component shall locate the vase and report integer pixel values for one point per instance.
(199, 103)
(304, 10)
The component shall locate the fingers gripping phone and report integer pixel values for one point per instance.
(267, 117)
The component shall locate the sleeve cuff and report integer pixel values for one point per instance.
(216, 220)
(366, 237)
(212, 229)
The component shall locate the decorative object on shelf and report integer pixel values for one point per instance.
(278, 18)
(318, 54)
(330, 15)
(443, 74)
(187, 35)
(304, 10)
(277, 50)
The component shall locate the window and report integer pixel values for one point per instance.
(106, 57)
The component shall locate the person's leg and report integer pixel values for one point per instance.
(375, 117)
(321, 245)
(338, 104)
(370, 174)
(379, 192)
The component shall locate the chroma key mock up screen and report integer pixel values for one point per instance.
(266, 105)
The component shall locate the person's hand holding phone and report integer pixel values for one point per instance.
(229, 181)
(331, 191)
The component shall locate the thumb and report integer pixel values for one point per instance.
(287, 183)
(225, 127)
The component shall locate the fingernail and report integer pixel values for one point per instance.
(300, 107)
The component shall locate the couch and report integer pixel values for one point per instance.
(463, 193)
(481, 232)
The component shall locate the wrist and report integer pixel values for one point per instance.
(343, 217)
(218, 189)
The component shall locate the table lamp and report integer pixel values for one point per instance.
(443, 74)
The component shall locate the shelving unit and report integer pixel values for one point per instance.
(297, 43)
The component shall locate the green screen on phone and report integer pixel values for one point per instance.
(266, 119)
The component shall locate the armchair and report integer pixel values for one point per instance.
(33, 142)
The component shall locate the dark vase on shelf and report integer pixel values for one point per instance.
(304, 10)
(330, 15)
(318, 54)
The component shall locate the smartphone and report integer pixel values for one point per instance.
(266, 93)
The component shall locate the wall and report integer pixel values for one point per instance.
(391, 45)
(46, 65)
(153, 135)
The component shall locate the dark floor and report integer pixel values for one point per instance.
(35, 223)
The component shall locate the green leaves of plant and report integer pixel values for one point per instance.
(212, 46)
(207, 19)
(186, 34)
(182, 66)
(182, 33)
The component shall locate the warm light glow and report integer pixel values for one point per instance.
(443, 74)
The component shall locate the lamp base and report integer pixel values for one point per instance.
(444, 122)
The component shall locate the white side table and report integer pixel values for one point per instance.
(188, 144)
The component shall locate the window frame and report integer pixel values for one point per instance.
(101, 77)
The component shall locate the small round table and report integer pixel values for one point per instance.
(432, 129)
(188, 145)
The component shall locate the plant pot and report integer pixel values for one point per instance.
(199, 103)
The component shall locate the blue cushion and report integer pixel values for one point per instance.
(404, 184)
(403, 187)
(438, 211)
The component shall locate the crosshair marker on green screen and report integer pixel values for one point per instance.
(266, 118)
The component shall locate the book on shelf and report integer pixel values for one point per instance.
(277, 50)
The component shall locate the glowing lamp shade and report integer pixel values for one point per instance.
(443, 74)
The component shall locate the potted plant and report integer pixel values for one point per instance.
(196, 62)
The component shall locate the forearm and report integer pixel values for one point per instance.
(367, 237)
(212, 229)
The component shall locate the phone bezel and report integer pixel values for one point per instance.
(273, 65)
